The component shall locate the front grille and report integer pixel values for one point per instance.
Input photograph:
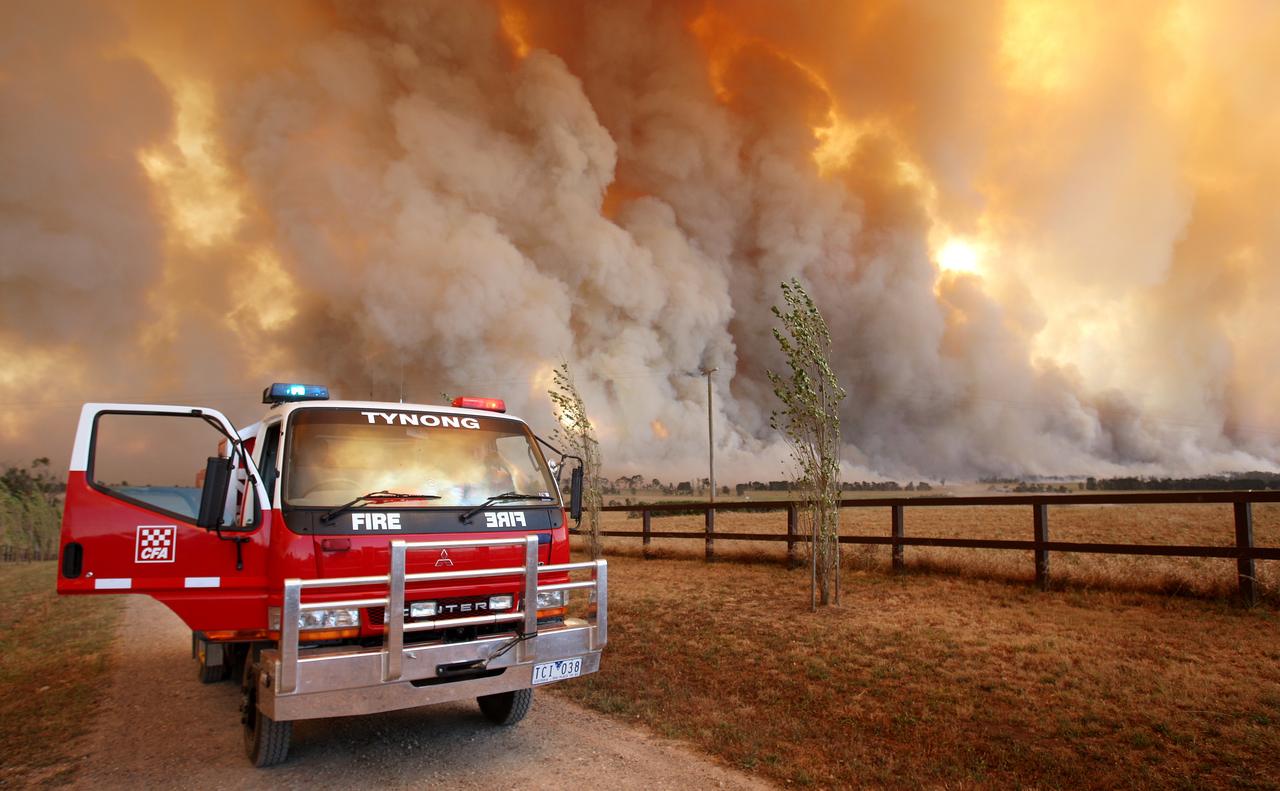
(375, 618)
(448, 608)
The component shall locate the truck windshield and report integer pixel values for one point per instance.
(336, 455)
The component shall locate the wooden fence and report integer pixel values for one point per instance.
(1244, 551)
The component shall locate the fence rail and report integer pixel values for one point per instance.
(1244, 551)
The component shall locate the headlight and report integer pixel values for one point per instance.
(422, 609)
(548, 600)
(500, 602)
(328, 619)
(339, 618)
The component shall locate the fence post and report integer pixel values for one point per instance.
(793, 523)
(813, 563)
(897, 532)
(1040, 514)
(1246, 570)
(711, 531)
(648, 528)
(839, 554)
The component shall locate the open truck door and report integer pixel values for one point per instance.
(163, 500)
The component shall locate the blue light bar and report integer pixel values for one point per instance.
(281, 392)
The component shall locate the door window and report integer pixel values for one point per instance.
(158, 461)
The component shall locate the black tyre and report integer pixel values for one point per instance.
(234, 659)
(506, 708)
(266, 741)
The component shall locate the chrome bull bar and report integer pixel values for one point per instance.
(393, 642)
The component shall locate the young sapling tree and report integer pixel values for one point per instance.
(810, 420)
(574, 429)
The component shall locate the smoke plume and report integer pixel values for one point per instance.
(1045, 235)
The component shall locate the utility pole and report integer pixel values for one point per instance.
(711, 439)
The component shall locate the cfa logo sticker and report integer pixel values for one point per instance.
(504, 519)
(155, 544)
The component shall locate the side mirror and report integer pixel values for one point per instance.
(213, 498)
(575, 494)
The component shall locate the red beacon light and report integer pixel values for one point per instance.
(487, 404)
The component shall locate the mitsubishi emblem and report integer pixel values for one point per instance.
(444, 558)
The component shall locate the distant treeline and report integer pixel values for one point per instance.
(638, 483)
(845, 486)
(30, 511)
(1231, 481)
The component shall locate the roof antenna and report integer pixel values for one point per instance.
(402, 380)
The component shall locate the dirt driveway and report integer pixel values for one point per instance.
(160, 728)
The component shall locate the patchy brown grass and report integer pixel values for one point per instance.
(1210, 525)
(940, 681)
(53, 662)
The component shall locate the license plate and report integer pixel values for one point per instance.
(558, 670)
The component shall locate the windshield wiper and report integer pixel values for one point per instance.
(373, 497)
(498, 498)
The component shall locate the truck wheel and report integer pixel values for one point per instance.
(506, 708)
(266, 741)
(235, 659)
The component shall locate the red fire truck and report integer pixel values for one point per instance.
(340, 557)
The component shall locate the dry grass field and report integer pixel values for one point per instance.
(1209, 525)
(945, 681)
(957, 675)
(53, 662)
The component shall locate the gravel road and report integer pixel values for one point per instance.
(160, 728)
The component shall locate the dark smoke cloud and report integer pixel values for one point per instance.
(439, 197)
